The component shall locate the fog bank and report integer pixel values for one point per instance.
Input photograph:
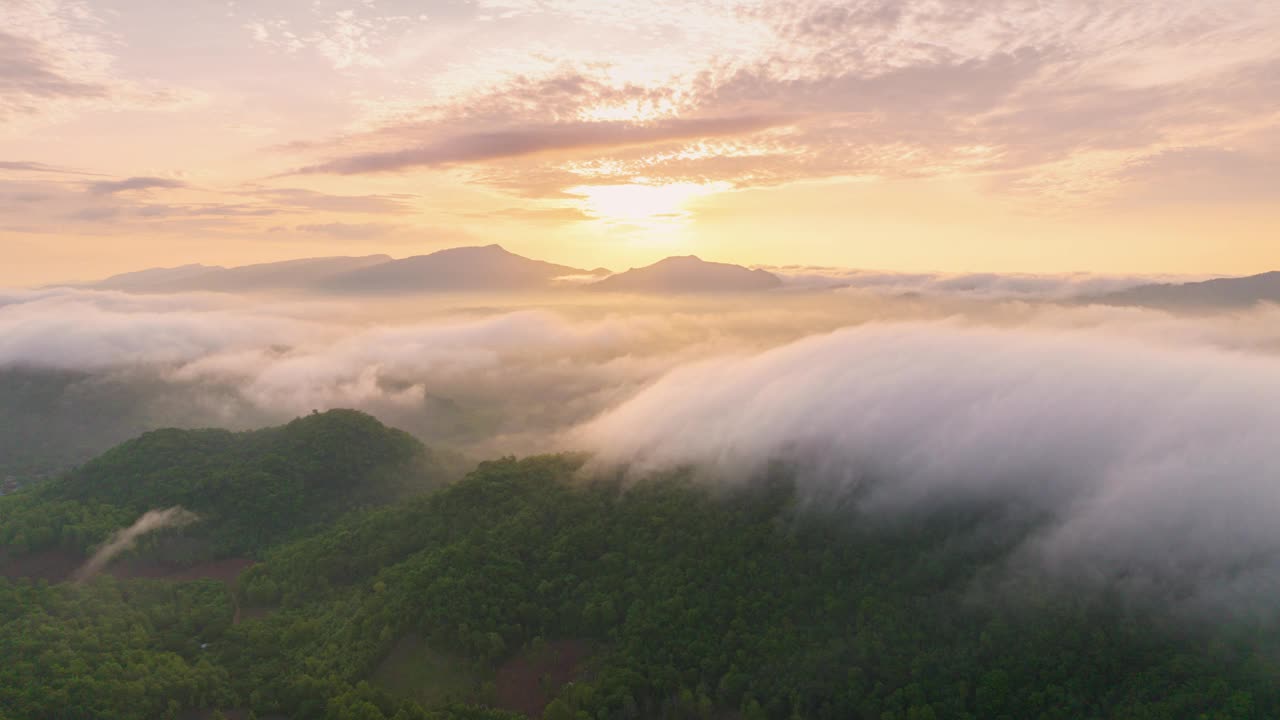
(1153, 462)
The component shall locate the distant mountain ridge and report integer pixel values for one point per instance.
(285, 275)
(154, 277)
(1234, 292)
(689, 274)
(488, 268)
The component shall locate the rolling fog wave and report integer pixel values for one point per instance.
(1156, 463)
(1146, 440)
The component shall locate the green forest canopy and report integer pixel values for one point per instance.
(695, 604)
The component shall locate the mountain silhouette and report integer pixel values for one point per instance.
(286, 275)
(488, 268)
(1207, 294)
(689, 274)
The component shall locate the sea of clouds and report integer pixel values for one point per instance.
(1145, 440)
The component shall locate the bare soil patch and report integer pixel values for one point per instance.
(58, 565)
(225, 571)
(528, 681)
(51, 565)
(251, 613)
(416, 670)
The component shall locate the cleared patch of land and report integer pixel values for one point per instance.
(57, 565)
(415, 670)
(528, 681)
(51, 565)
(225, 571)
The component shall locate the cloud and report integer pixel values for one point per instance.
(481, 377)
(110, 187)
(1053, 104)
(1141, 441)
(214, 210)
(312, 200)
(1204, 175)
(565, 137)
(947, 84)
(350, 231)
(82, 330)
(94, 214)
(56, 58)
(30, 74)
(1149, 462)
(991, 286)
(540, 214)
(347, 38)
(36, 167)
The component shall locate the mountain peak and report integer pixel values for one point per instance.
(689, 274)
(472, 268)
(682, 260)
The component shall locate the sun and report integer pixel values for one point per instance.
(643, 204)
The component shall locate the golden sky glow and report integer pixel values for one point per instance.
(1117, 136)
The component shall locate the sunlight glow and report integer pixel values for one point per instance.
(643, 204)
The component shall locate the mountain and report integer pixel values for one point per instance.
(285, 275)
(490, 267)
(1209, 294)
(155, 277)
(487, 268)
(689, 274)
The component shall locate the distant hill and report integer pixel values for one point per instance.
(155, 277)
(1209, 294)
(249, 488)
(689, 274)
(488, 268)
(285, 275)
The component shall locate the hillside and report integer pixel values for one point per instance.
(250, 489)
(688, 274)
(527, 590)
(488, 268)
(1206, 295)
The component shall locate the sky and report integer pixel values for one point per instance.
(1110, 136)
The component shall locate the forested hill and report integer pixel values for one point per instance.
(526, 589)
(249, 489)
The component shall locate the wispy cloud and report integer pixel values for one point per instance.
(564, 138)
(347, 37)
(1045, 99)
(110, 187)
(56, 57)
(313, 200)
(38, 167)
(31, 73)
(350, 231)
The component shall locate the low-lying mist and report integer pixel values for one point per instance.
(1144, 440)
(124, 540)
(1154, 460)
